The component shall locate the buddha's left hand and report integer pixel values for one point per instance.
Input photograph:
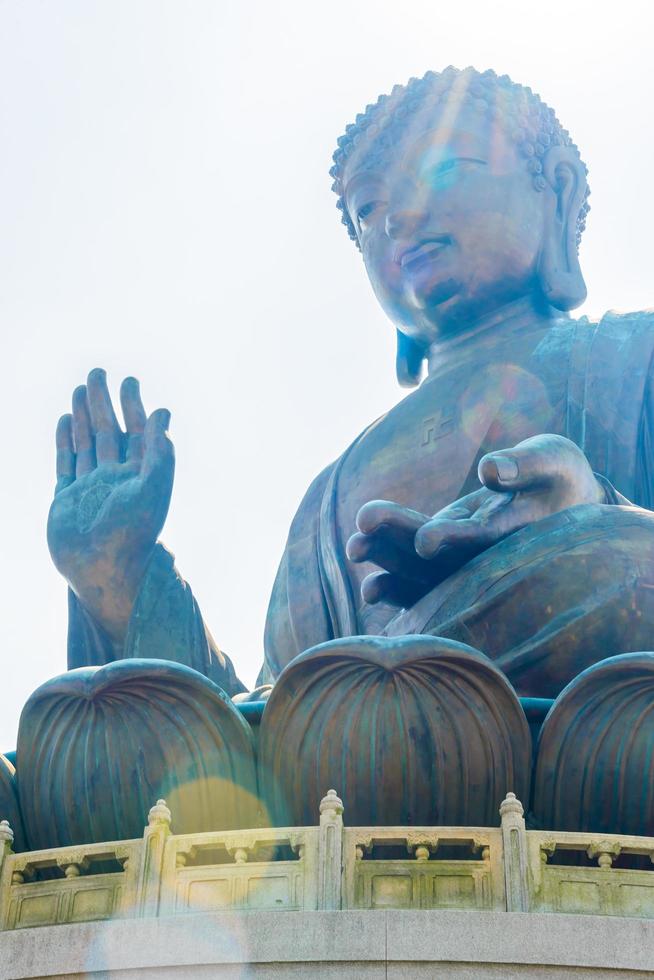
(538, 477)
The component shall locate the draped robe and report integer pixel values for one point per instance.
(589, 381)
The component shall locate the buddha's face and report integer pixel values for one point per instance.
(451, 229)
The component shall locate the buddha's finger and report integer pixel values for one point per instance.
(135, 418)
(453, 543)
(83, 433)
(65, 453)
(370, 547)
(378, 513)
(382, 551)
(158, 468)
(108, 435)
(536, 463)
(392, 589)
(464, 507)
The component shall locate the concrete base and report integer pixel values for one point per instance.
(329, 945)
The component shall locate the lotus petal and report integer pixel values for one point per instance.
(413, 730)
(99, 745)
(595, 755)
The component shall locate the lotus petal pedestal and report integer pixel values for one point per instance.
(595, 761)
(413, 730)
(98, 744)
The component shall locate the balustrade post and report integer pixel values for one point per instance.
(330, 851)
(152, 859)
(6, 841)
(6, 848)
(515, 855)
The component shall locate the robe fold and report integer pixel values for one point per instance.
(166, 624)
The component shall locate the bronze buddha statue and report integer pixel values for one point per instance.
(503, 504)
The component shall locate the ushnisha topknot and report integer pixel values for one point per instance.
(530, 123)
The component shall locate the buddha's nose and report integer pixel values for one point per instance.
(402, 223)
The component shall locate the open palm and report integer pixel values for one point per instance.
(111, 499)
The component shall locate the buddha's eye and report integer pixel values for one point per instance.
(447, 171)
(444, 172)
(367, 212)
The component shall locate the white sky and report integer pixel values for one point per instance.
(165, 211)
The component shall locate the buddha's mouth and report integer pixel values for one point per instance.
(412, 258)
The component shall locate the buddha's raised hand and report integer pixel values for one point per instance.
(538, 477)
(111, 499)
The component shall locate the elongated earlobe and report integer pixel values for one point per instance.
(561, 279)
(408, 363)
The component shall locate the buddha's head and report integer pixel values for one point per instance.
(464, 194)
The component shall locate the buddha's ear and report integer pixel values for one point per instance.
(559, 271)
(408, 363)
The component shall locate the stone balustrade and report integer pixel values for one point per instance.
(328, 866)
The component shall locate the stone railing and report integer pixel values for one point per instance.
(328, 866)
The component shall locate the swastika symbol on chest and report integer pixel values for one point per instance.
(436, 427)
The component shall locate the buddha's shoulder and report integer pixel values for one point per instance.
(622, 327)
(615, 334)
(310, 503)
